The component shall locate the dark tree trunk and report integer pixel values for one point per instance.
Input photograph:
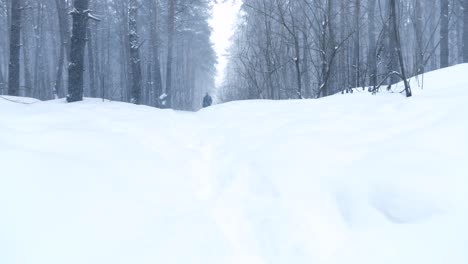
(15, 35)
(135, 62)
(341, 71)
(170, 47)
(156, 69)
(328, 53)
(418, 29)
(38, 30)
(107, 72)
(444, 33)
(392, 53)
(125, 53)
(78, 43)
(465, 31)
(357, 44)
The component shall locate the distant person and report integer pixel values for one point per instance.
(207, 101)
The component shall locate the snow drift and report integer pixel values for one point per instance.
(351, 178)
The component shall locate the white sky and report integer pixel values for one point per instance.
(223, 24)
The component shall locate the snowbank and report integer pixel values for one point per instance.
(351, 178)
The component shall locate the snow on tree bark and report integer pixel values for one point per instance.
(135, 62)
(78, 42)
(15, 45)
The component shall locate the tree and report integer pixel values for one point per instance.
(444, 33)
(371, 57)
(15, 45)
(357, 44)
(418, 29)
(155, 64)
(396, 36)
(170, 47)
(80, 16)
(63, 23)
(135, 64)
(465, 31)
(91, 59)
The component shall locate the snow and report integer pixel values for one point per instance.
(351, 178)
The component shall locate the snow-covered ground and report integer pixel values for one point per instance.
(347, 179)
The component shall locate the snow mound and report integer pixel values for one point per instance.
(352, 178)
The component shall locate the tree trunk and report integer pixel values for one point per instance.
(418, 29)
(27, 72)
(2, 81)
(170, 47)
(357, 44)
(297, 63)
(396, 36)
(59, 76)
(64, 47)
(465, 31)
(38, 50)
(444, 33)
(328, 46)
(135, 62)
(92, 73)
(107, 82)
(267, 54)
(125, 53)
(15, 35)
(156, 69)
(307, 79)
(392, 53)
(372, 57)
(78, 43)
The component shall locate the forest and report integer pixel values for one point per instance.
(160, 52)
(316, 48)
(130, 50)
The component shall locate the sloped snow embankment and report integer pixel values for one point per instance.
(346, 179)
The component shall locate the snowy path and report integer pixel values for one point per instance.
(346, 179)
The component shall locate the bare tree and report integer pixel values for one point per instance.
(396, 36)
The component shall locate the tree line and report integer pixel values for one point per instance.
(151, 52)
(313, 48)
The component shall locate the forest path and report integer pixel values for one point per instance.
(347, 179)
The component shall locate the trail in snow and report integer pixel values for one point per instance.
(346, 179)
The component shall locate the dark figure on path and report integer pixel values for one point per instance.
(207, 101)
